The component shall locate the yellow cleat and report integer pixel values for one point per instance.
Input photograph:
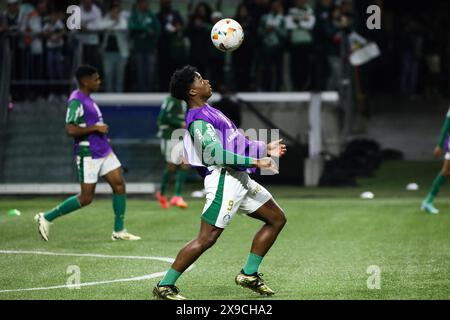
(167, 293)
(253, 282)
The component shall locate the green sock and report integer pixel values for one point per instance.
(170, 278)
(180, 179)
(69, 205)
(119, 205)
(164, 181)
(252, 265)
(435, 187)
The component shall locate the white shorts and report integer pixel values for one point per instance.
(228, 191)
(172, 150)
(447, 154)
(90, 169)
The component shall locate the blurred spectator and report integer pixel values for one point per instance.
(198, 31)
(32, 33)
(299, 22)
(115, 47)
(272, 31)
(9, 23)
(432, 52)
(9, 19)
(244, 57)
(54, 31)
(411, 53)
(144, 31)
(172, 46)
(335, 31)
(257, 9)
(91, 15)
(323, 42)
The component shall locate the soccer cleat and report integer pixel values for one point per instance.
(124, 235)
(179, 202)
(162, 200)
(43, 225)
(428, 207)
(253, 282)
(167, 293)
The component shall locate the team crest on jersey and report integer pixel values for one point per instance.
(226, 218)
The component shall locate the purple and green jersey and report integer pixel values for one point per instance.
(222, 144)
(84, 112)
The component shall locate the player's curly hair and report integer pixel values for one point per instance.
(84, 71)
(181, 81)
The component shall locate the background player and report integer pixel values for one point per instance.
(427, 204)
(170, 118)
(227, 183)
(94, 157)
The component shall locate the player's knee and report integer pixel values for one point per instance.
(119, 188)
(446, 172)
(85, 199)
(280, 220)
(207, 242)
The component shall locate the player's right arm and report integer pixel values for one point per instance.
(213, 153)
(75, 125)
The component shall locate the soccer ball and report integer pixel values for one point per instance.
(227, 35)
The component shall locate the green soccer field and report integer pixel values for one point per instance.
(324, 252)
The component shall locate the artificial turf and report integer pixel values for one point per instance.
(331, 238)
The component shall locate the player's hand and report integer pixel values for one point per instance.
(267, 163)
(276, 148)
(102, 128)
(183, 124)
(438, 152)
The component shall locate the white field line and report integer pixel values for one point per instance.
(90, 255)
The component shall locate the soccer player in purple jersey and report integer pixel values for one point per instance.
(94, 157)
(224, 157)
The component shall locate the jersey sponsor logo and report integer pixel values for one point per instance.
(199, 134)
(211, 131)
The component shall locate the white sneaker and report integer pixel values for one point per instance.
(124, 235)
(43, 225)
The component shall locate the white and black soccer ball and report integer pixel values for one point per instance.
(227, 35)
